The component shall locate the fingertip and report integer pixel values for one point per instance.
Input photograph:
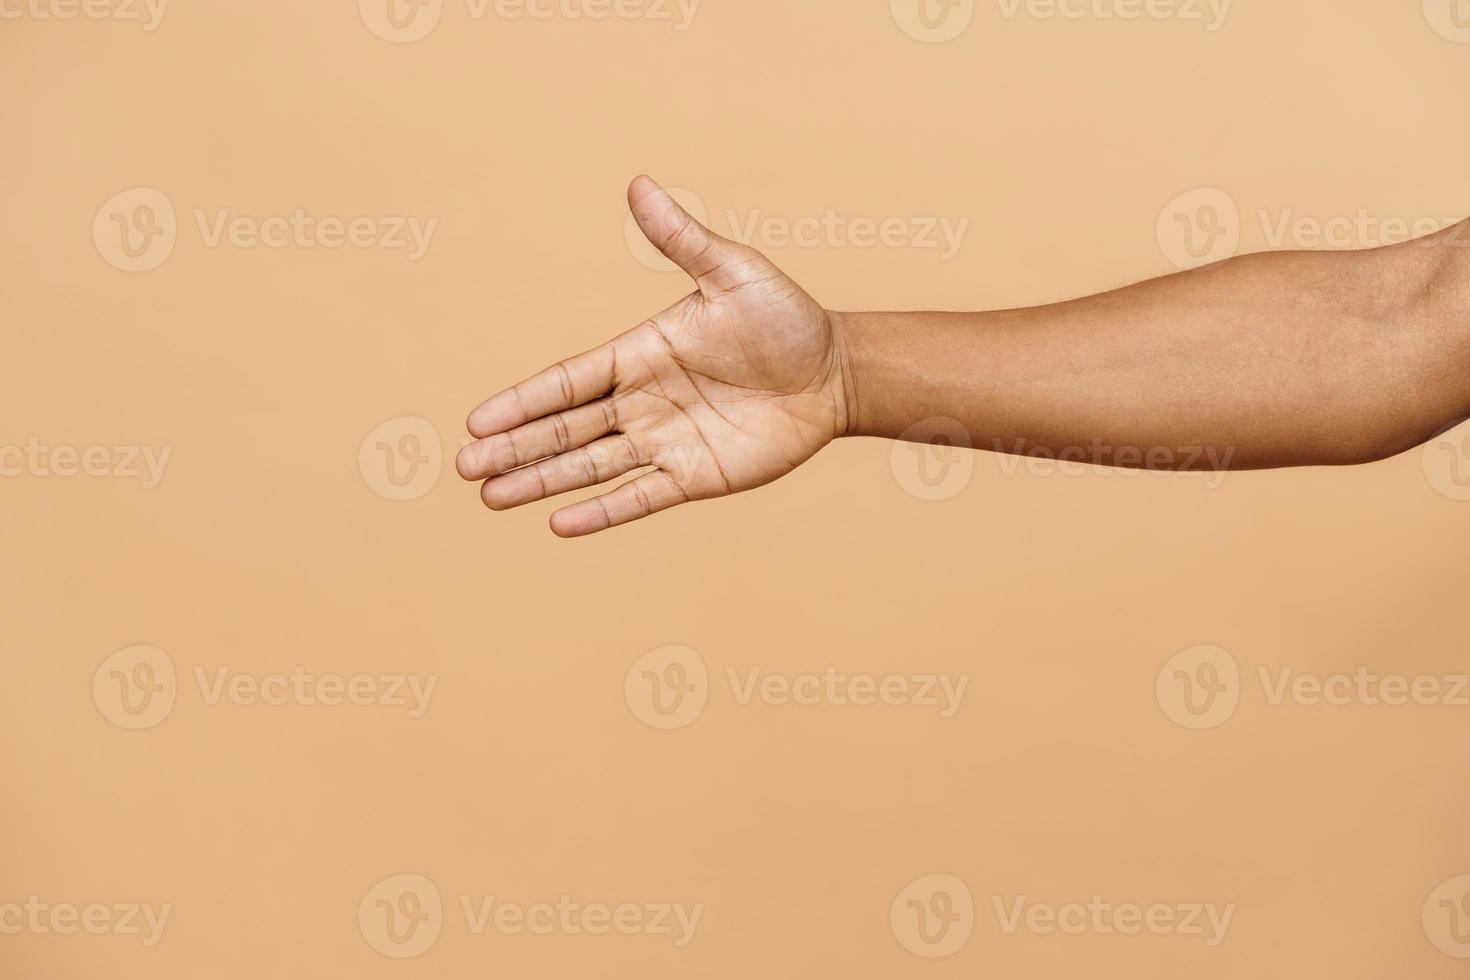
(475, 424)
(640, 187)
(487, 495)
(564, 524)
(491, 418)
(462, 464)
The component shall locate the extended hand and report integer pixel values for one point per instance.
(732, 387)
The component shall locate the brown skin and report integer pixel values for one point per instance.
(1280, 359)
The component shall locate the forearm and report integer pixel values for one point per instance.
(1277, 359)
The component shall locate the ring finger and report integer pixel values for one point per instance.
(549, 436)
(585, 467)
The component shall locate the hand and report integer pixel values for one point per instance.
(732, 387)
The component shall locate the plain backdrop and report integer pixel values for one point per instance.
(282, 381)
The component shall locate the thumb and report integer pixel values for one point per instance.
(708, 258)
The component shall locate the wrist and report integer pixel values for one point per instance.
(845, 376)
(1432, 275)
(1455, 280)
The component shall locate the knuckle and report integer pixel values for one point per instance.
(564, 378)
(588, 461)
(561, 437)
(644, 506)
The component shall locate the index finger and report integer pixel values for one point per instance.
(564, 385)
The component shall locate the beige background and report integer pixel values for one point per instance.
(271, 543)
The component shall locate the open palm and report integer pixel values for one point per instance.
(732, 387)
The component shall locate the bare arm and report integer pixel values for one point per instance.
(1281, 359)
(1277, 359)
